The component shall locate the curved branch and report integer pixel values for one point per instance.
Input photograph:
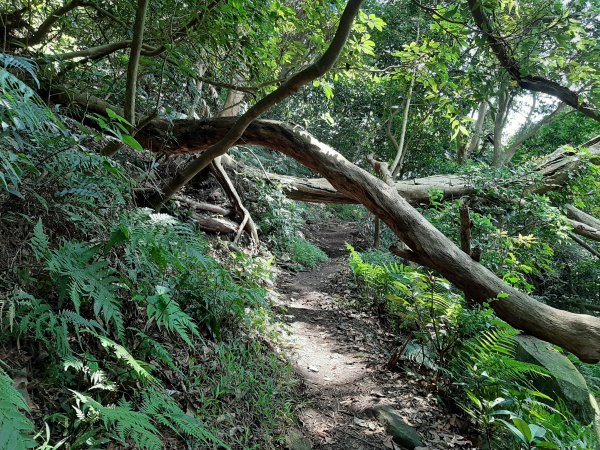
(529, 82)
(92, 52)
(530, 131)
(288, 88)
(43, 30)
(104, 12)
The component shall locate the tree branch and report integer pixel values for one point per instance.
(288, 88)
(529, 82)
(585, 245)
(39, 35)
(509, 153)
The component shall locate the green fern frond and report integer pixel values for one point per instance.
(140, 368)
(81, 278)
(157, 350)
(164, 410)
(37, 319)
(127, 425)
(19, 63)
(493, 352)
(15, 427)
(167, 313)
(39, 243)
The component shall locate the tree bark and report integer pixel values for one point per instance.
(134, 59)
(505, 97)
(577, 333)
(400, 146)
(475, 140)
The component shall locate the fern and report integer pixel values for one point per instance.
(123, 354)
(492, 353)
(19, 105)
(157, 350)
(166, 411)
(166, 312)
(127, 425)
(19, 63)
(39, 320)
(15, 427)
(81, 279)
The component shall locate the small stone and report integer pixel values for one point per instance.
(402, 434)
(297, 441)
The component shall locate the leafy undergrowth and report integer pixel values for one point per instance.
(471, 354)
(306, 253)
(119, 328)
(280, 221)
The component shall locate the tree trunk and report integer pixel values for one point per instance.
(465, 152)
(577, 333)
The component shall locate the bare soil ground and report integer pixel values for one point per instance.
(340, 355)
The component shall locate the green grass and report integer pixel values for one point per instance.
(245, 391)
(306, 253)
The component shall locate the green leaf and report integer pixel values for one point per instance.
(131, 142)
(115, 116)
(523, 428)
(514, 430)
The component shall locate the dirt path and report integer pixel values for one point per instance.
(340, 353)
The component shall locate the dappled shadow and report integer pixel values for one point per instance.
(339, 354)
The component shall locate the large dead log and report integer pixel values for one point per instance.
(578, 215)
(553, 171)
(577, 333)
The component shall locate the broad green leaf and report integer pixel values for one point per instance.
(131, 142)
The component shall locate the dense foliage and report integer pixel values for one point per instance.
(134, 328)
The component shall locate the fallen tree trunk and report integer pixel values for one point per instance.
(577, 333)
(215, 224)
(553, 171)
(582, 217)
(202, 206)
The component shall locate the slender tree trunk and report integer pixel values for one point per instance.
(401, 151)
(134, 59)
(475, 140)
(232, 108)
(400, 154)
(503, 109)
(509, 152)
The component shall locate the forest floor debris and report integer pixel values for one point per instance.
(340, 354)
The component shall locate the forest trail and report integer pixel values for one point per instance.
(340, 355)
